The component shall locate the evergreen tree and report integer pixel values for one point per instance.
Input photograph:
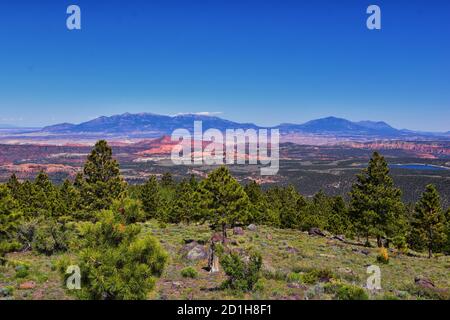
(186, 206)
(167, 180)
(258, 201)
(429, 220)
(102, 176)
(46, 198)
(150, 197)
(338, 220)
(27, 199)
(70, 200)
(291, 205)
(14, 186)
(116, 262)
(447, 220)
(376, 206)
(10, 218)
(224, 199)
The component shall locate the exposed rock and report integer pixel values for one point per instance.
(188, 247)
(362, 251)
(346, 271)
(424, 282)
(5, 292)
(177, 284)
(238, 231)
(327, 255)
(316, 232)
(296, 285)
(197, 253)
(266, 267)
(291, 249)
(217, 237)
(27, 285)
(252, 227)
(339, 237)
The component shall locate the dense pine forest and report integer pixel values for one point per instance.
(95, 222)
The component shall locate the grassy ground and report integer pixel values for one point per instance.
(284, 252)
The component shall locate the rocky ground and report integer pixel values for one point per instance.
(287, 255)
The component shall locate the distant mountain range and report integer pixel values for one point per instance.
(153, 125)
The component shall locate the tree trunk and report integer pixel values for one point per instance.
(213, 259)
(224, 233)
(430, 244)
(379, 242)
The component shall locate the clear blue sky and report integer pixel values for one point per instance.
(262, 61)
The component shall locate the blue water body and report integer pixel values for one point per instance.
(418, 166)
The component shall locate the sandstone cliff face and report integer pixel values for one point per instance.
(420, 149)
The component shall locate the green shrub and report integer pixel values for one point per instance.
(259, 285)
(242, 276)
(350, 292)
(189, 272)
(115, 261)
(50, 237)
(130, 209)
(21, 271)
(313, 276)
(294, 277)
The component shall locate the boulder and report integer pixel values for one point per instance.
(197, 253)
(424, 282)
(363, 251)
(217, 237)
(27, 285)
(339, 237)
(188, 247)
(176, 285)
(291, 250)
(5, 292)
(346, 270)
(238, 231)
(316, 232)
(252, 227)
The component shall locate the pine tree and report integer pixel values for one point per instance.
(429, 220)
(447, 220)
(150, 197)
(376, 206)
(167, 180)
(186, 206)
(291, 205)
(115, 260)
(45, 200)
(10, 218)
(27, 199)
(338, 220)
(224, 199)
(102, 176)
(14, 186)
(70, 200)
(258, 200)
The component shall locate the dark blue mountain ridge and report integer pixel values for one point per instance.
(155, 124)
